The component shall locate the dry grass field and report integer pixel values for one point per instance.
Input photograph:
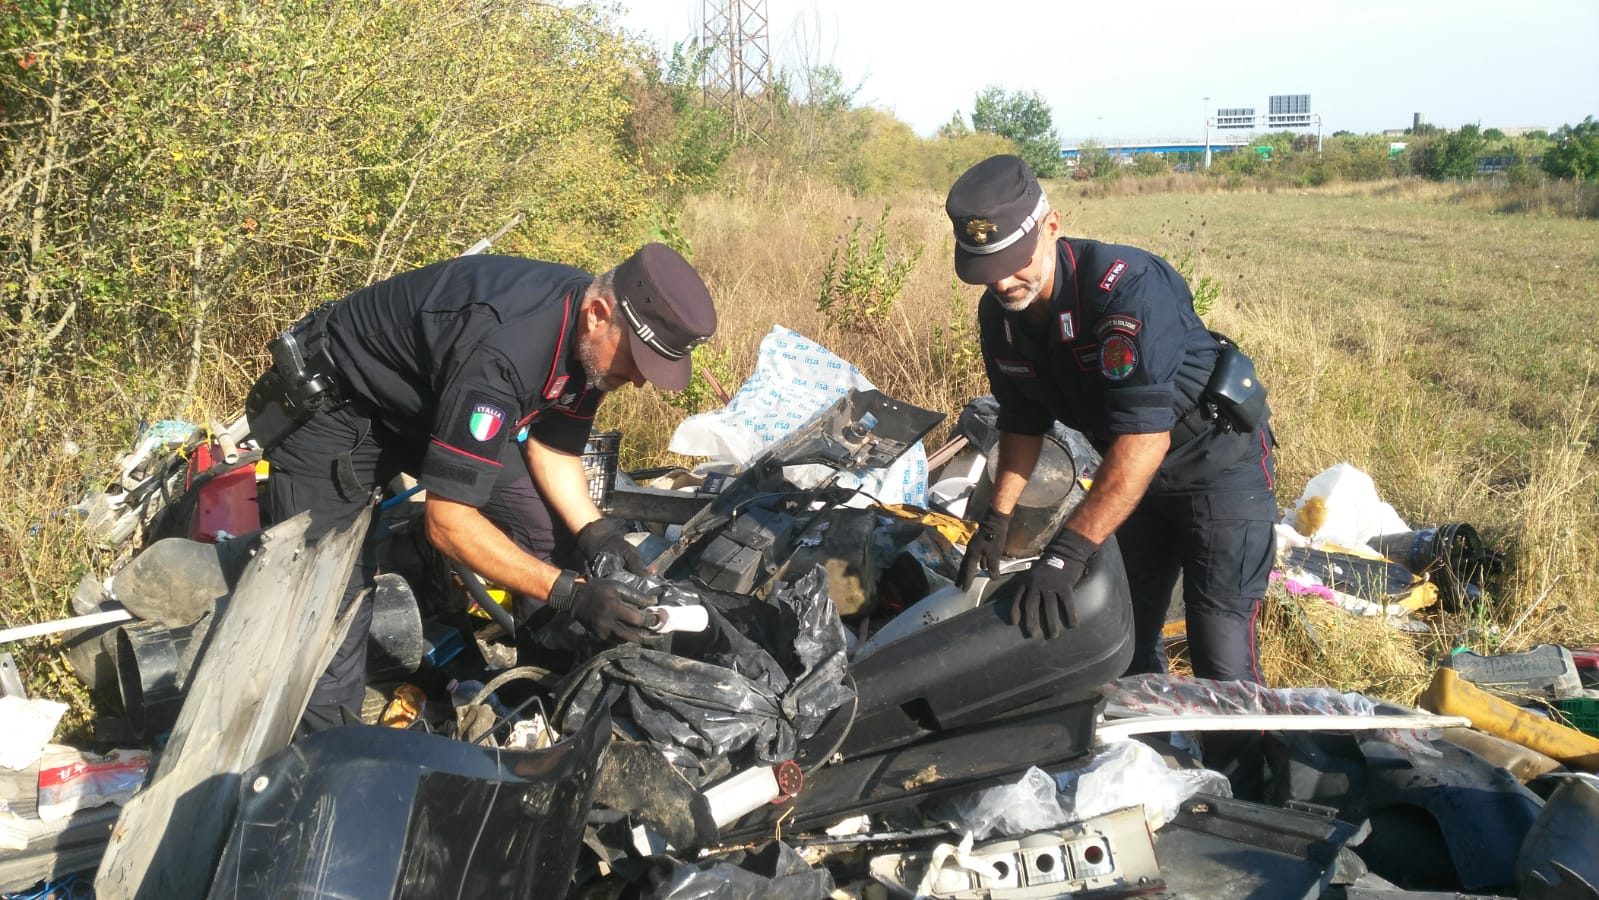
(1445, 348)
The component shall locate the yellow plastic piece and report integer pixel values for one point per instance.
(498, 595)
(404, 708)
(956, 531)
(1451, 695)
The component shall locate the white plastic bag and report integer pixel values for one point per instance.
(1130, 773)
(794, 379)
(1344, 509)
(1027, 806)
(25, 727)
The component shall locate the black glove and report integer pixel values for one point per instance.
(986, 548)
(610, 609)
(606, 536)
(1047, 589)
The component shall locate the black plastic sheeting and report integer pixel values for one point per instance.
(747, 691)
(775, 872)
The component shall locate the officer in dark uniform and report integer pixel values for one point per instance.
(435, 372)
(1104, 338)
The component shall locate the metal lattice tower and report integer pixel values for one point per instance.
(738, 73)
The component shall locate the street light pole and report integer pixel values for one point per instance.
(1206, 112)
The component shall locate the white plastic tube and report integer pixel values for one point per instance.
(664, 619)
(737, 796)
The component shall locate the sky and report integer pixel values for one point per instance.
(1142, 69)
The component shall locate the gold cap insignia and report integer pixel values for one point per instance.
(979, 230)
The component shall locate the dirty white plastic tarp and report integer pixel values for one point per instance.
(1122, 774)
(1341, 507)
(25, 728)
(794, 379)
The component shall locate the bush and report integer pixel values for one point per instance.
(858, 291)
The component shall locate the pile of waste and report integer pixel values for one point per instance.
(821, 712)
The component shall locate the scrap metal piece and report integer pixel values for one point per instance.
(1109, 855)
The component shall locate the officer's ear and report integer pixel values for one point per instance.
(598, 312)
(1051, 224)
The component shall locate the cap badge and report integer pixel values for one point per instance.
(979, 230)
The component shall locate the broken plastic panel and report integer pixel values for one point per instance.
(863, 430)
(451, 820)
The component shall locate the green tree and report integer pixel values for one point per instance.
(1451, 155)
(1575, 151)
(1097, 163)
(1026, 119)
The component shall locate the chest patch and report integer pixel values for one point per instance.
(1087, 358)
(1113, 275)
(486, 421)
(1122, 323)
(556, 385)
(1068, 328)
(1118, 356)
(1016, 368)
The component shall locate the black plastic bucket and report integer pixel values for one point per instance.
(1454, 556)
(152, 668)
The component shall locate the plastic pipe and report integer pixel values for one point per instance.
(39, 629)
(666, 619)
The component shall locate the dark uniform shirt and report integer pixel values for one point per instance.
(1122, 352)
(452, 359)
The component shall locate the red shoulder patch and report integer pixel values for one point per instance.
(1113, 274)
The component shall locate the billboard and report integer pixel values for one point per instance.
(1237, 117)
(1288, 111)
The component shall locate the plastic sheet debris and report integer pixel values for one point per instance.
(25, 729)
(1381, 585)
(1129, 773)
(775, 872)
(794, 379)
(1164, 695)
(1340, 506)
(70, 780)
(1122, 774)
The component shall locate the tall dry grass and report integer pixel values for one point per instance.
(1441, 346)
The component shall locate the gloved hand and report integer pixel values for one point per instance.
(986, 548)
(606, 536)
(1047, 589)
(610, 609)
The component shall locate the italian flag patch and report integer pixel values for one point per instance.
(486, 421)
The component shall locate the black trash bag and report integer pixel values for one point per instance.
(746, 691)
(774, 872)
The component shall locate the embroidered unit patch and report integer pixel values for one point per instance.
(1118, 356)
(1115, 273)
(486, 421)
(1118, 323)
